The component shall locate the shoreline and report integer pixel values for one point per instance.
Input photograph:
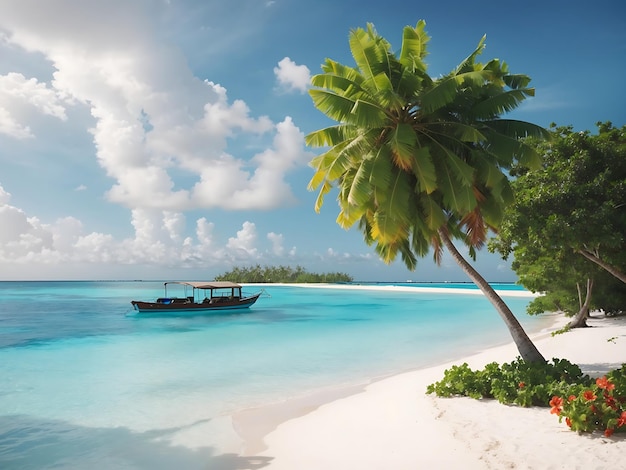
(391, 423)
(396, 288)
(253, 424)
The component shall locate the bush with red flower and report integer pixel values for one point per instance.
(600, 407)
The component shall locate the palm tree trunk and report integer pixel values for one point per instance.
(527, 349)
(580, 319)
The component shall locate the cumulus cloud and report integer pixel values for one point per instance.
(277, 243)
(292, 77)
(154, 120)
(158, 239)
(20, 99)
(243, 245)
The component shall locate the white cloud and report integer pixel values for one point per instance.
(291, 76)
(154, 120)
(21, 99)
(158, 240)
(228, 185)
(243, 245)
(5, 196)
(277, 243)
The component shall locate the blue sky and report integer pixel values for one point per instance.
(164, 139)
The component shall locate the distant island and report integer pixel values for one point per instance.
(280, 274)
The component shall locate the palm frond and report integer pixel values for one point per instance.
(319, 201)
(337, 83)
(516, 81)
(424, 170)
(360, 187)
(390, 222)
(332, 67)
(475, 229)
(367, 114)
(500, 103)
(507, 148)
(334, 106)
(408, 258)
(433, 213)
(402, 142)
(368, 50)
(487, 172)
(444, 90)
(414, 47)
(456, 187)
(382, 169)
(386, 97)
(468, 63)
(517, 129)
(329, 136)
(409, 84)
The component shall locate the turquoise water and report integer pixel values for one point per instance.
(86, 384)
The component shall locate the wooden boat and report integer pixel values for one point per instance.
(205, 297)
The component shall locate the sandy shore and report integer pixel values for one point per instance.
(393, 424)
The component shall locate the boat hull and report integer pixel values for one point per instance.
(162, 306)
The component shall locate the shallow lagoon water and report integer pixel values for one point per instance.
(87, 383)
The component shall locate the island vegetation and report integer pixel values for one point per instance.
(566, 229)
(280, 274)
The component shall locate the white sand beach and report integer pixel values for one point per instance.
(394, 424)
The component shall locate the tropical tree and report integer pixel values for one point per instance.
(567, 226)
(421, 161)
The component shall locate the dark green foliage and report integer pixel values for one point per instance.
(280, 274)
(519, 382)
(568, 223)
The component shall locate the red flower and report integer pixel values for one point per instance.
(608, 432)
(572, 398)
(604, 383)
(610, 402)
(621, 420)
(589, 395)
(522, 385)
(556, 403)
(568, 422)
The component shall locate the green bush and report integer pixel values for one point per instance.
(521, 383)
(587, 405)
(599, 407)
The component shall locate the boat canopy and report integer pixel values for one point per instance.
(207, 284)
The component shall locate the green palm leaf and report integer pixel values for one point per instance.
(433, 213)
(332, 105)
(403, 141)
(337, 83)
(368, 52)
(361, 188)
(500, 103)
(516, 81)
(367, 114)
(444, 90)
(518, 129)
(329, 136)
(424, 170)
(468, 63)
(414, 42)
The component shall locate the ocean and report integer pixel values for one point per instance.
(86, 383)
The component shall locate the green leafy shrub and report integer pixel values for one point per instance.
(599, 407)
(519, 382)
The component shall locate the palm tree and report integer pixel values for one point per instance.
(420, 161)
